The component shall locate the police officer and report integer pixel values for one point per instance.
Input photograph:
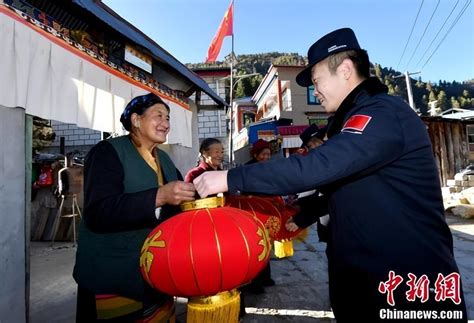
(388, 235)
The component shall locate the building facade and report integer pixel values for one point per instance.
(280, 97)
(282, 110)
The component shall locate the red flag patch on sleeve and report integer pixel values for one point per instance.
(357, 122)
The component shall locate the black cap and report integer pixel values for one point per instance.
(340, 40)
(311, 132)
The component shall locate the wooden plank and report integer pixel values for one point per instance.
(456, 128)
(448, 139)
(443, 154)
(436, 146)
(450, 146)
(464, 146)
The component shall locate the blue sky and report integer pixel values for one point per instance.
(185, 28)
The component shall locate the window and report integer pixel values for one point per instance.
(286, 98)
(310, 95)
(248, 118)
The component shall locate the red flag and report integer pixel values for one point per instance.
(225, 29)
(357, 122)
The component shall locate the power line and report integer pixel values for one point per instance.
(411, 32)
(444, 23)
(468, 2)
(424, 31)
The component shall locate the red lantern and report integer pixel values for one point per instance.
(272, 211)
(203, 252)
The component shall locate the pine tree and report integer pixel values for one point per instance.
(443, 101)
(429, 87)
(455, 103)
(378, 71)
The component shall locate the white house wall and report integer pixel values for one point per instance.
(53, 80)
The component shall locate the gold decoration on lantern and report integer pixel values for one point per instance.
(206, 203)
(265, 243)
(146, 257)
(273, 225)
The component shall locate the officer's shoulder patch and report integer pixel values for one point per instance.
(357, 123)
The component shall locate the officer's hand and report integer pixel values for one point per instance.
(211, 183)
(291, 226)
(175, 193)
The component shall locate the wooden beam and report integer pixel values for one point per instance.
(450, 156)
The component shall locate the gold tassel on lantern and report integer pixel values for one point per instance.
(302, 235)
(283, 248)
(222, 307)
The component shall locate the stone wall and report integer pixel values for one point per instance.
(209, 125)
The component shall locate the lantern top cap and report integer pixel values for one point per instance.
(206, 203)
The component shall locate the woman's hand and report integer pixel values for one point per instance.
(291, 226)
(175, 193)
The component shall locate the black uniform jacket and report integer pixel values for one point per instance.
(378, 170)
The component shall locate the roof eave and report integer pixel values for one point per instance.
(126, 29)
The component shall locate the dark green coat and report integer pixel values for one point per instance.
(107, 261)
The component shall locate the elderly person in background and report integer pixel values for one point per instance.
(130, 187)
(261, 151)
(211, 155)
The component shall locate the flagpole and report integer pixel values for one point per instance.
(226, 28)
(231, 98)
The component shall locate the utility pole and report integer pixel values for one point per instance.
(409, 88)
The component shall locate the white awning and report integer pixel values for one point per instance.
(54, 80)
(291, 142)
